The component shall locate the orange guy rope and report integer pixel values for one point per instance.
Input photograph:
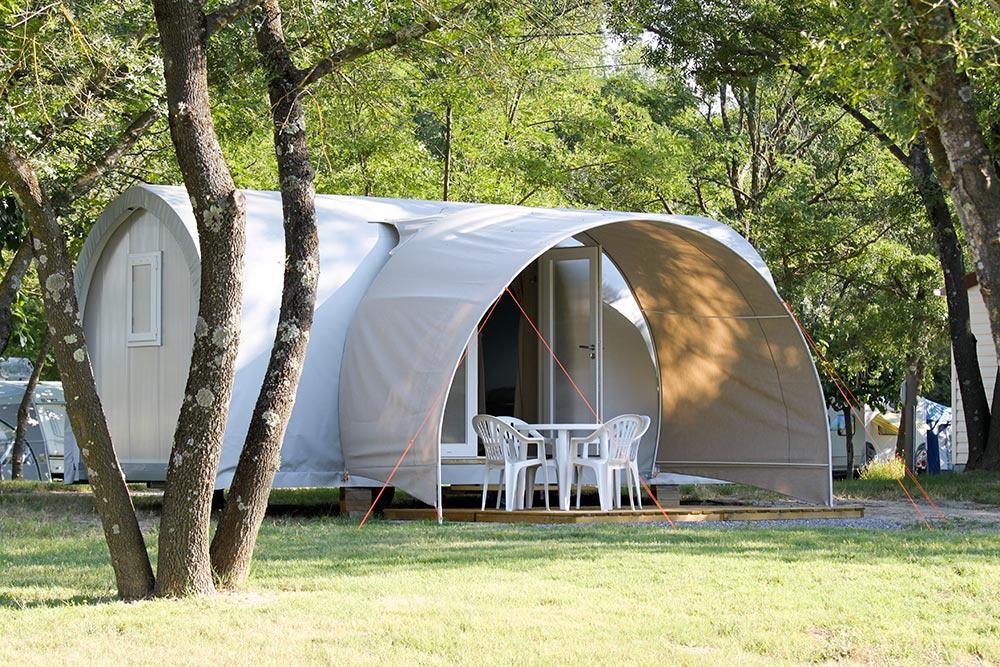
(844, 392)
(434, 406)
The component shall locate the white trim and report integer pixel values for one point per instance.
(153, 337)
(470, 446)
(546, 362)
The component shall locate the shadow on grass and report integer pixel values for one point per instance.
(7, 601)
(384, 547)
(58, 544)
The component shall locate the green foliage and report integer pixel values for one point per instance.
(12, 226)
(546, 111)
(834, 215)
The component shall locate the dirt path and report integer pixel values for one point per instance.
(902, 511)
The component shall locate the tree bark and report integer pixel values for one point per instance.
(976, 411)
(236, 535)
(129, 559)
(23, 414)
(234, 541)
(184, 565)
(10, 286)
(849, 440)
(972, 175)
(906, 438)
(989, 459)
(927, 176)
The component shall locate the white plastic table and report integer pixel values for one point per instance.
(562, 434)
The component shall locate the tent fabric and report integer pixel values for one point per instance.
(351, 253)
(739, 394)
(403, 284)
(933, 413)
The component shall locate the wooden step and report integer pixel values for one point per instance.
(686, 513)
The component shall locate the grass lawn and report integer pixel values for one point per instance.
(974, 487)
(323, 591)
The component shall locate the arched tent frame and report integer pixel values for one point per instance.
(740, 396)
(169, 204)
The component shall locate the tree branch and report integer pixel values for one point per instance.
(122, 144)
(226, 14)
(876, 131)
(857, 114)
(380, 42)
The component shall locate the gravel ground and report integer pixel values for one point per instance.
(883, 515)
(864, 524)
(902, 511)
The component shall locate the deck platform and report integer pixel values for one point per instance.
(682, 514)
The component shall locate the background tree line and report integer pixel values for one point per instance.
(818, 130)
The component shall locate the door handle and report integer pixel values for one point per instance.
(591, 348)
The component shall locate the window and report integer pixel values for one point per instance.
(54, 423)
(6, 437)
(144, 290)
(6, 445)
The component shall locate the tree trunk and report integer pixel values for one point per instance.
(129, 559)
(989, 459)
(24, 412)
(447, 153)
(236, 535)
(9, 287)
(975, 409)
(972, 181)
(184, 565)
(849, 440)
(906, 438)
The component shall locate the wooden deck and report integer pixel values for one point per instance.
(684, 513)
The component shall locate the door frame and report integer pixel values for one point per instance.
(470, 447)
(546, 363)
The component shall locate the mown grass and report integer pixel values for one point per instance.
(324, 591)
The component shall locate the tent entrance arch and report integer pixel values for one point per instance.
(586, 311)
(737, 390)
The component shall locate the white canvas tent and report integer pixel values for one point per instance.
(404, 285)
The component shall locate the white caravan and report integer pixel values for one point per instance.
(47, 434)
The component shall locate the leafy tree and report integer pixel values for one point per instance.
(833, 49)
(49, 171)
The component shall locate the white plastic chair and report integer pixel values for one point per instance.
(523, 427)
(633, 469)
(507, 448)
(615, 441)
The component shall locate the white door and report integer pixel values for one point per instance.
(570, 319)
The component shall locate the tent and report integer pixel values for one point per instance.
(703, 341)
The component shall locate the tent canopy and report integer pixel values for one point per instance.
(739, 396)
